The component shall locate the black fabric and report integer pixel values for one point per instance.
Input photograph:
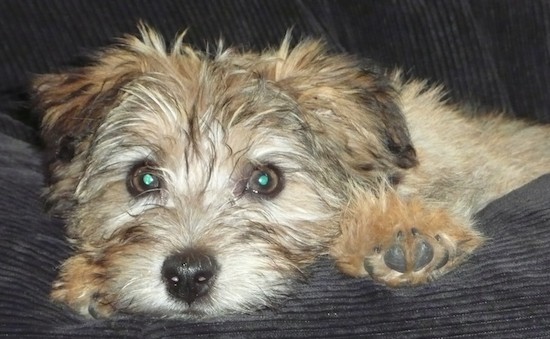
(493, 53)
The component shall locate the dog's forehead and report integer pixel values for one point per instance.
(202, 89)
(203, 100)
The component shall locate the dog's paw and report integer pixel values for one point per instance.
(402, 243)
(418, 253)
(79, 287)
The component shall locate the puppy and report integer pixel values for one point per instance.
(196, 184)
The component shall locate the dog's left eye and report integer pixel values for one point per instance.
(143, 178)
(266, 181)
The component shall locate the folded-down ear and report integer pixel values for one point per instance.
(379, 97)
(355, 106)
(73, 104)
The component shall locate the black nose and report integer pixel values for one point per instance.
(188, 275)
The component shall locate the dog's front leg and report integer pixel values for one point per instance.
(401, 242)
(80, 284)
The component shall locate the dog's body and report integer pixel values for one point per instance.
(465, 162)
(199, 185)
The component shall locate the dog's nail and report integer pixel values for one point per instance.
(92, 311)
(369, 267)
(400, 235)
(443, 261)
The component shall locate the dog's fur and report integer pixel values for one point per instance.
(376, 171)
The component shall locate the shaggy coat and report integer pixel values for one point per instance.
(197, 184)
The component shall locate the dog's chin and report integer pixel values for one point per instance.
(201, 310)
(176, 309)
(205, 308)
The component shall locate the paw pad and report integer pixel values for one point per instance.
(410, 252)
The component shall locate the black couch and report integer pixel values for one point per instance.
(489, 53)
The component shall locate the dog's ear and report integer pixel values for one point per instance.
(353, 105)
(73, 104)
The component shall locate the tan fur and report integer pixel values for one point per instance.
(371, 225)
(376, 171)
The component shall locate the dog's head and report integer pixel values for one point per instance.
(203, 183)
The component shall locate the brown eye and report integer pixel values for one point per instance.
(266, 181)
(143, 178)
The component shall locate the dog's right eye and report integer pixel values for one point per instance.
(143, 178)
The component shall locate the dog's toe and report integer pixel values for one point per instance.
(395, 258)
(98, 308)
(424, 254)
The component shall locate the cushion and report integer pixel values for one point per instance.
(491, 53)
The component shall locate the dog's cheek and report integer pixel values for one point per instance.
(65, 165)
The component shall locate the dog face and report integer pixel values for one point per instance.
(199, 184)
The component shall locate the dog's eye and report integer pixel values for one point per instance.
(143, 178)
(265, 180)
